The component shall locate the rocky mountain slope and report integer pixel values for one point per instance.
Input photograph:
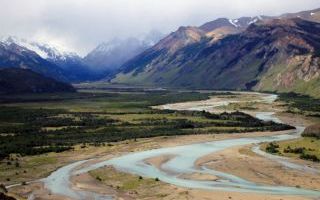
(263, 53)
(18, 81)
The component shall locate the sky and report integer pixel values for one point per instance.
(80, 25)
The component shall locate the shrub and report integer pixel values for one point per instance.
(272, 148)
(312, 158)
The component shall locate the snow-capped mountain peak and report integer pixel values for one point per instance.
(45, 51)
(24, 43)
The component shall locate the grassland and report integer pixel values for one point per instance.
(306, 148)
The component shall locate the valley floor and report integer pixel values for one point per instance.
(240, 161)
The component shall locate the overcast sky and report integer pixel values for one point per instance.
(80, 25)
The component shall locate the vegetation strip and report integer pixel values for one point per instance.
(31, 129)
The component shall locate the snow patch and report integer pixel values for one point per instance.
(233, 22)
(253, 21)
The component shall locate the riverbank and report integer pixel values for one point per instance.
(123, 148)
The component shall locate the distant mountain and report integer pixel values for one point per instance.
(71, 64)
(16, 56)
(18, 81)
(76, 70)
(68, 66)
(109, 56)
(152, 37)
(260, 53)
(45, 51)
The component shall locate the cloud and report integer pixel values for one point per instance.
(81, 24)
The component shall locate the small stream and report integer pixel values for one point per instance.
(183, 162)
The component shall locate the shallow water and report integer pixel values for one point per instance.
(183, 163)
(59, 183)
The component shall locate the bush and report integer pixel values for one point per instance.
(272, 148)
(312, 158)
(297, 150)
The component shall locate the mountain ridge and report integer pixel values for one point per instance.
(268, 51)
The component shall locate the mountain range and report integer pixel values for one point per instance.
(250, 53)
(65, 66)
(264, 53)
